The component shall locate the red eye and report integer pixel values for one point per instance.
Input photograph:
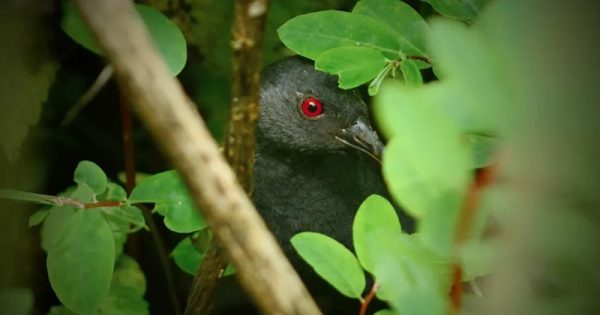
(311, 107)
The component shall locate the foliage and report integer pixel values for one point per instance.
(166, 35)
(369, 43)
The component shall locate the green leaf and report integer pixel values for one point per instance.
(466, 10)
(16, 301)
(128, 274)
(129, 214)
(437, 227)
(402, 266)
(80, 267)
(114, 192)
(38, 217)
(123, 301)
(374, 213)
(54, 226)
(385, 312)
(29, 68)
(90, 174)
(477, 259)
(412, 164)
(312, 34)
(382, 75)
(411, 73)
(402, 18)
(353, 65)
(186, 256)
(483, 149)
(172, 200)
(332, 261)
(166, 35)
(60, 310)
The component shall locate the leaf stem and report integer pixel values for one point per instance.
(54, 200)
(421, 58)
(365, 303)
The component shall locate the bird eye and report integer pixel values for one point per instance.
(311, 107)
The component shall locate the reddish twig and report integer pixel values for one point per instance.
(463, 227)
(365, 302)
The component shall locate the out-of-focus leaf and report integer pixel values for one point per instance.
(466, 10)
(166, 35)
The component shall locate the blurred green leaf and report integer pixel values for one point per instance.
(374, 213)
(312, 34)
(353, 65)
(421, 134)
(477, 259)
(80, 266)
(402, 18)
(128, 274)
(411, 73)
(466, 10)
(114, 192)
(28, 68)
(90, 174)
(16, 301)
(172, 200)
(332, 261)
(186, 256)
(38, 217)
(437, 228)
(166, 35)
(483, 149)
(127, 289)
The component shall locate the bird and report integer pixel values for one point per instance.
(317, 158)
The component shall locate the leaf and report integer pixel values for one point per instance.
(114, 192)
(483, 149)
(402, 18)
(466, 10)
(411, 73)
(128, 274)
(477, 259)
(123, 301)
(28, 69)
(38, 217)
(126, 294)
(402, 266)
(54, 226)
(172, 200)
(60, 310)
(80, 267)
(353, 65)
(16, 301)
(312, 34)
(90, 174)
(374, 213)
(438, 226)
(166, 35)
(412, 165)
(332, 261)
(186, 256)
(129, 214)
(385, 312)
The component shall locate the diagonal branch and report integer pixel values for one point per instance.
(246, 34)
(176, 125)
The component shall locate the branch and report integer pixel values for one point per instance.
(239, 148)
(175, 124)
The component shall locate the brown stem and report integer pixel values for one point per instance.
(174, 122)
(239, 147)
(102, 204)
(365, 303)
(463, 227)
(421, 58)
(128, 148)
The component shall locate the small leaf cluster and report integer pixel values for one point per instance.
(83, 235)
(367, 44)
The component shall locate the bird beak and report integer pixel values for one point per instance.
(362, 137)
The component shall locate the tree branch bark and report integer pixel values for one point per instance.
(176, 125)
(239, 148)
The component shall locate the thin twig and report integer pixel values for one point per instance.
(89, 95)
(239, 144)
(421, 58)
(174, 122)
(129, 152)
(365, 302)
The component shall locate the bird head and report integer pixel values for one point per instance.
(303, 110)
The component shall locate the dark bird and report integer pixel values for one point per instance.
(317, 159)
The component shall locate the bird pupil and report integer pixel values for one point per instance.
(312, 107)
